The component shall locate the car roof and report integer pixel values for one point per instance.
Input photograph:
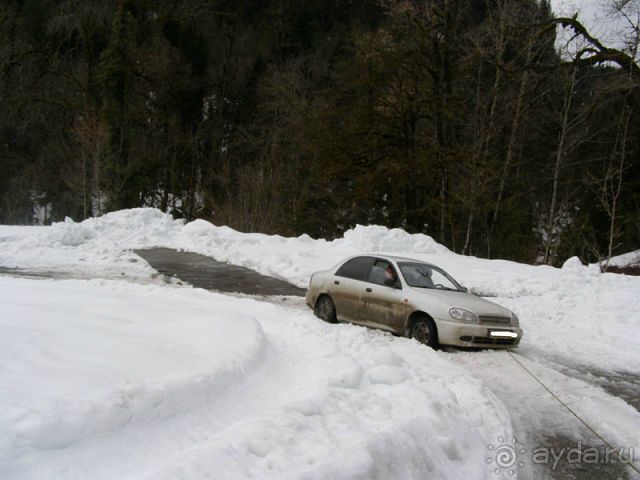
(393, 258)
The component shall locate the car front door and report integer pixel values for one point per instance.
(382, 301)
(348, 287)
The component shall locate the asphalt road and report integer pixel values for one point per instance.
(206, 272)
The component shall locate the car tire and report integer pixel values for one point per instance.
(424, 331)
(325, 309)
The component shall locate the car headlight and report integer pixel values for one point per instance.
(463, 315)
(515, 321)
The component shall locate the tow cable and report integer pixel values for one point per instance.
(628, 462)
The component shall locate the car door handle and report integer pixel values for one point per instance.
(337, 282)
(368, 289)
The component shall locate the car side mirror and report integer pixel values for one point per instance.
(465, 289)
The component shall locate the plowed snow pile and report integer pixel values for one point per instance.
(575, 311)
(103, 379)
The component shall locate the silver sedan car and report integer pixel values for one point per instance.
(411, 298)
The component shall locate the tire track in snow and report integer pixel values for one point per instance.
(624, 385)
(539, 421)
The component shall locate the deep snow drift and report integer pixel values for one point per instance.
(574, 312)
(626, 259)
(104, 379)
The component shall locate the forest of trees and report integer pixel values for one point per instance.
(460, 119)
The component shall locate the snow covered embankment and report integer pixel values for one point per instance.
(104, 379)
(595, 317)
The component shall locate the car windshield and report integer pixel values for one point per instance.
(422, 275)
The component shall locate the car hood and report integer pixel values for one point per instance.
(467, 301)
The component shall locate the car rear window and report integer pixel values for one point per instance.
(357, 268)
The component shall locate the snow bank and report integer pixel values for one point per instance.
(574, 311)
(82, 359)
(103, 380)
(626, 259)
(96, 247)
(18, 230)
(100, 245)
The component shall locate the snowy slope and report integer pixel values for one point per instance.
(104, 379)
(19, 230)
(573, 312)
(626, 259)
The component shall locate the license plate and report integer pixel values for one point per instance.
(502, 334)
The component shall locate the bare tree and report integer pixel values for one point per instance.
(609, 184)
(552, 233)
(90, 134)
(594, 52)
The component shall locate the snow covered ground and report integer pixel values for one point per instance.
(175, 382)
(106, 379)
(574, 312)
(626, 259)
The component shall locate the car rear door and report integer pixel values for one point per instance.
(348, 287)
(383, 305)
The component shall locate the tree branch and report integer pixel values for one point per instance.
(600, 53)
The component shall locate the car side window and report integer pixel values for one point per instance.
(357, 268)
(383, 273)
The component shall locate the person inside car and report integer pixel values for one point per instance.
(426, 280)
(390, 275)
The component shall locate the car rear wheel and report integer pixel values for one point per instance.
(325, 309)
(424, 331)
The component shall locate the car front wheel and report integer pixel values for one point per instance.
(424, 331)
(326, 310)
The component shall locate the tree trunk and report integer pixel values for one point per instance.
(510, 147)
(84, 185)
(443, 204)
(618, 189)
(558, 165)
(467, 240)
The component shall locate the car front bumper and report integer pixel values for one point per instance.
(310, 299)
(478, 335)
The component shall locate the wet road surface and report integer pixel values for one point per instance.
(20, 272)
(206, 272)
(551, 443)
(625, 385)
